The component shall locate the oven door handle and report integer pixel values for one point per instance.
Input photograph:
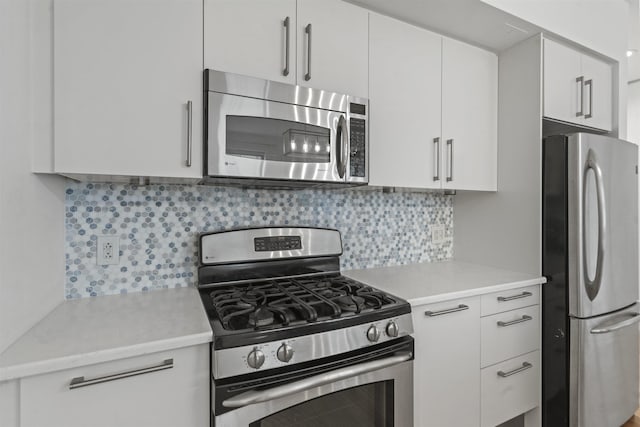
(257, 396)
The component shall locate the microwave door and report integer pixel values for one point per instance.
(254, 138)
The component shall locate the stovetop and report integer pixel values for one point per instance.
(279, 308)
(273, 284)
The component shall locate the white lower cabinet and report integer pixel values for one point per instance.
(169, 388)
(477, 360)
(447, 364)
(510, 388)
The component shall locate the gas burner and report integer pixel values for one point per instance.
(261, 317)
(252, 297)
(351, 303)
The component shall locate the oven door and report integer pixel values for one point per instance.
(364, 393)
(255, 138)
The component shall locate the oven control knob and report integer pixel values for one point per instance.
(373, 334)
(392, 329)
(284, 353)
(255, 359)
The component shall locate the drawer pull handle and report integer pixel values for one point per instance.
(524, 367)
(512, 297)
(524, 318)
(461, 307)
(78, 382)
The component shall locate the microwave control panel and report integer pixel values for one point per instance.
(357, 155)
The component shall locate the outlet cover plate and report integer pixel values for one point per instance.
(108, 248)
(437, 234)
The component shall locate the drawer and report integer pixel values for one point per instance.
(509, 334)
(169, 388)
(498, 302)
(510, 388)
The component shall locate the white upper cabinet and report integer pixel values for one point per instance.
(255, 38)
(433, 110)
(333, 46)
(469, 117)
(125, 74)
(561, 69)
(404, 88)
(577, 87)
(320, 44)
(597, 93)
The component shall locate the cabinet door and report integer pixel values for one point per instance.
(447, 364)
(469, 117)
(597, 93)
(124, 72)
(405, 91)
(562, 93)
(9, 403)
(250, 37)
(333, 56)
(178, 396)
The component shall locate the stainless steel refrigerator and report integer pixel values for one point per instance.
(590, 258)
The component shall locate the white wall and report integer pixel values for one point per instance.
(31, 206)
(633, 112)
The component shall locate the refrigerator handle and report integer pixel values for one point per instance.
(635, 318)
(593, 286)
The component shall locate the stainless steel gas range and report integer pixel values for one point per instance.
(295, 342)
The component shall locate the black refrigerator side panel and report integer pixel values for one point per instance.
(555, 328)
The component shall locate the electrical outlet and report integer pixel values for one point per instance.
(108, 250)
(437, 233)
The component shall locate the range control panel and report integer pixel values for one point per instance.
(277, 243)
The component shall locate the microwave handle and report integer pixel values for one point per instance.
(342, 146)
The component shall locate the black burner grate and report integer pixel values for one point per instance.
(283, 302)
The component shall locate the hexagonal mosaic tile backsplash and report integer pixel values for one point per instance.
(158, 227)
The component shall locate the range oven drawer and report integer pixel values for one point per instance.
(378, 384)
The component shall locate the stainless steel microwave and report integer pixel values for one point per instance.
(260, 132)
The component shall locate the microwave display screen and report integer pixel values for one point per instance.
(277, 140)
(357, 109)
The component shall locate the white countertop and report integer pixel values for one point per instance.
(441, 281)
(94, 330)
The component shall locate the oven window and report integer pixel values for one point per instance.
(277, 140)
(368, 405)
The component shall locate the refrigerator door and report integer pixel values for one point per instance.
(602, 185)
(604, 369)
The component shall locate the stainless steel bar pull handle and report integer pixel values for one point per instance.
(524, 367)
(257, 396)
(580, 81)
(635, 318)
(82, 382)
(525, 294)
(287, 29)
(450, 146)
(189, 131)
(436, 157)
(593, 285)
(460, 307)
(342, 146)
(590, 84)
(524, 318)
(307, 31)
